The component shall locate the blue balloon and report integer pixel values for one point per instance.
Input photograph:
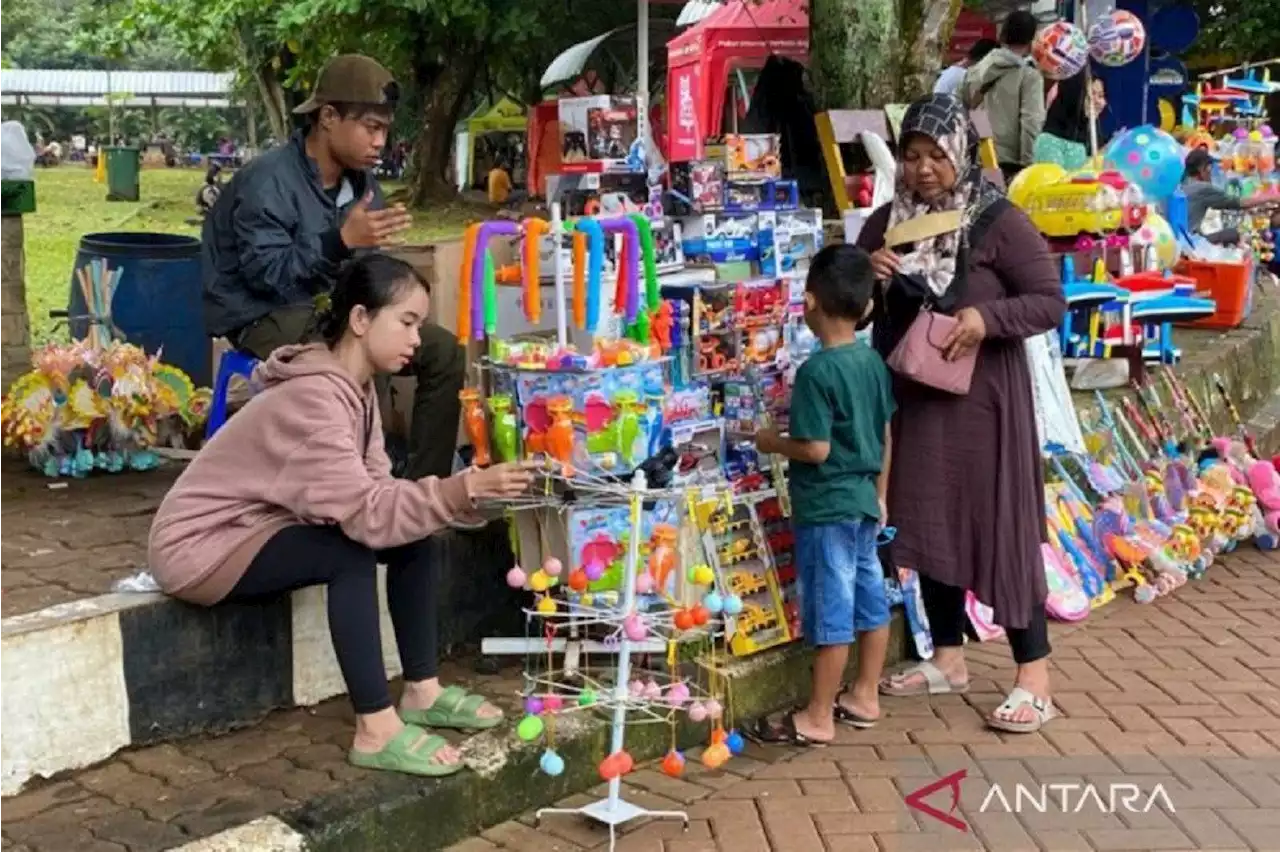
(736, 743)
(1149, 158)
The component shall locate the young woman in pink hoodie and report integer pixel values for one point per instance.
(296, 490)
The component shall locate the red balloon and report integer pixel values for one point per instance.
(625, 762)
(578, 580)
(673, 764)
(701, 615)
(684, 620)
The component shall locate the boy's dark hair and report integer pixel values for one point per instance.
(841, 281)
(1019, 29)
(981, 48)
(353, 111)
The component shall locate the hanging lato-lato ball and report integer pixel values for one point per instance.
(673, 764)
(1060, 50)
(1117, 38)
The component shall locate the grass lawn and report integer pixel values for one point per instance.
(69, 205)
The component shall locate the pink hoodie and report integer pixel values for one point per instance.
(307, 449)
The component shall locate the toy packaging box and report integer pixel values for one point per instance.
(603, 422)
(599, 133)
(706, 185)
(788, 241)
(598, 543)
(722, 237)
(757, 156)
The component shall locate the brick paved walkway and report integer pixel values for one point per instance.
(1184, 694)
(74, 540)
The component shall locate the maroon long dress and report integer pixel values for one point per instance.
(966, 483)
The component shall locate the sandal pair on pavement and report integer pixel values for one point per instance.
(937, 683)
(413, 750)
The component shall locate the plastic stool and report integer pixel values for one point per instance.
(232, 363)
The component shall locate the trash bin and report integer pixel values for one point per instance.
(158, 303)
(124, 169)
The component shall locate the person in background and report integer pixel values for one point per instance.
(1009, 87)
(1065, 138)
(285, 223)
(1203, 196)
(951, 77)
(839, 454)
(296, 490)
(499, 184)
(966, 488)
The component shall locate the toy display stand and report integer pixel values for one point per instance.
(613, 810)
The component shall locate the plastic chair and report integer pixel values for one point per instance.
(232, 363)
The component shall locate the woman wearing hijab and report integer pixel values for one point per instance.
(966, 487)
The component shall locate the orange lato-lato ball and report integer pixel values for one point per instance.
(716, 755)
(684, 620)
(610, 768)
(673, 764)
(578, 580)
(701, 615)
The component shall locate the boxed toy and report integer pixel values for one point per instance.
(721, 238)
(757, 155)
(599, 134)
(788, 241)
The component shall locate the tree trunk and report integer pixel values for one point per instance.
(15, 354)
(926, 26)
(441, 90)
(852, 53)
(272, 97)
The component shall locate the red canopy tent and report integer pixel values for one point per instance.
(741, 33)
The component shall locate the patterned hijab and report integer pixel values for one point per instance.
(943, 119)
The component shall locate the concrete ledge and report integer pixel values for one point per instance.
(159, 669)
(400, 814)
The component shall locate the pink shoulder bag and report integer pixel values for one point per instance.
(919, 354)
(920, 357)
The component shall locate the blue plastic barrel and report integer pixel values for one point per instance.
(158, 301)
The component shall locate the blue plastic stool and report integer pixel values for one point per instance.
(232, 363)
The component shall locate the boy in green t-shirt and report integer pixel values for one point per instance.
(839, 451)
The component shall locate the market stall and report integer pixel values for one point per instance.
(701, 60)
(504, 117)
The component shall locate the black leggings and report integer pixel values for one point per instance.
(302, 556)
(944, 606)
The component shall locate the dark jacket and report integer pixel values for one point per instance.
(1067, 118)
(272, 239)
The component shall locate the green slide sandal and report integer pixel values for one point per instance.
(399, 755)
(455, 708)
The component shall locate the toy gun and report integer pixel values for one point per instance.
(765, 420)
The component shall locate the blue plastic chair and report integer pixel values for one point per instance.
(232, 363)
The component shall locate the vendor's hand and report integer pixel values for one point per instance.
(965, 336)
(884, 513)
(768, 440)
(501, 481)
(885, 263)
(365, 228)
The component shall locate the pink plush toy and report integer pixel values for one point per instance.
(1265, 482)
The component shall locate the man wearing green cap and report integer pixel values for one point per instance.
(275, 239)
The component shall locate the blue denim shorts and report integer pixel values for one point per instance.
(841, 581)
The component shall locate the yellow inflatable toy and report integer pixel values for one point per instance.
(1064, 205)
(1156, 231)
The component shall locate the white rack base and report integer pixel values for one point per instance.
(613, 812)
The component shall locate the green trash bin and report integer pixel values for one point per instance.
(124, 171)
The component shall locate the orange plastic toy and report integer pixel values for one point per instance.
(560, 434)
(662, 554)
(476, 424)
(534, 229)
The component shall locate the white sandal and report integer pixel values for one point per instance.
(1045, 712)
(935, 682)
